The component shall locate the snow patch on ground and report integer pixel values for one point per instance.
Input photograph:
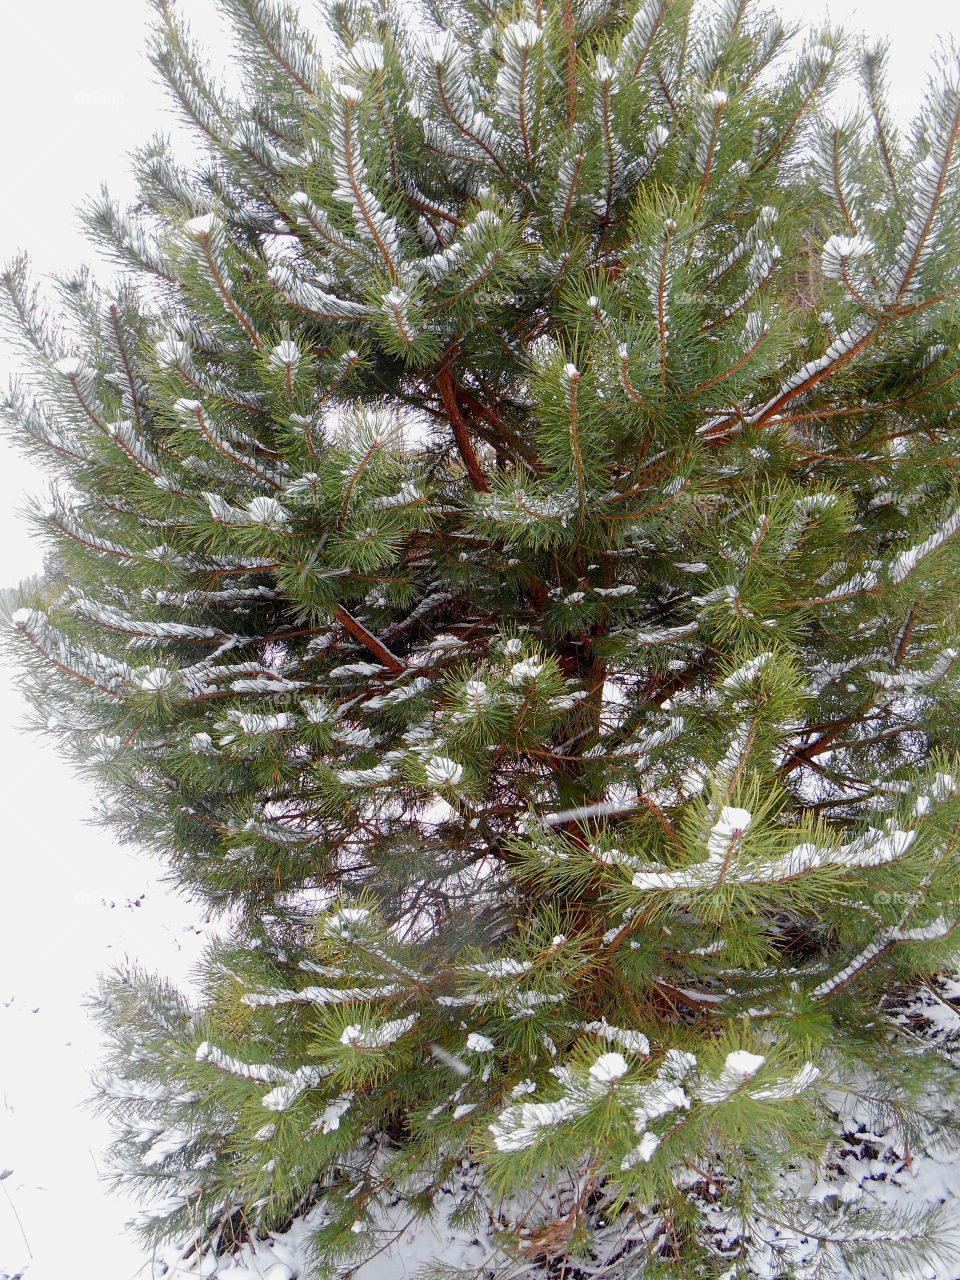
(407, 1249)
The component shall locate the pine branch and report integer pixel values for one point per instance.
(570, 61)
(271, 29)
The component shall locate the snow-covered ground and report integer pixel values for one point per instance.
(405, 1251)
(72, 903)
(870, 1169)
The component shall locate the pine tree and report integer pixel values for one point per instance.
(505, 518)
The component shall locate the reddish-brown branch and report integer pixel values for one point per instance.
(805, 755)
(499, 428)
(912, 618)
(721, 377)
(458, 424)
(838, 184)
(369, 640)
(720, 432)
(578, 160)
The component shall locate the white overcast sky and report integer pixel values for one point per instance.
(76, 96)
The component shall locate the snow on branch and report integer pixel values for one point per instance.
(30, 417)
(714, 104)
(350, 173)
(195, 414)
(739, 1067)
(841, 350)
(125, 237)
(316, 995)
(141, 631)
(639, 40)
(873, 848)
(261, 1072)
(264, 511)
(840, 252)
(97, 670)
(122, 432)
(305, 295)
(451, 81)
(568, 181)
(287, 1085)
(932, 176)
(271, 30)
(208, 232)
(380, 1035)
(517, 80)
(910, 680)
(320, 229)
(473, 235)
(907, 561)
(614, 158)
